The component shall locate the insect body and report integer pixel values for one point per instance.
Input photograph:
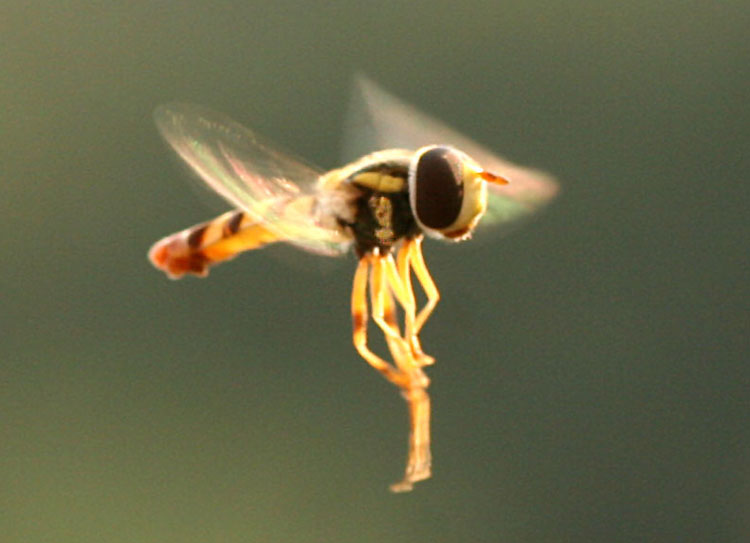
(381, 204)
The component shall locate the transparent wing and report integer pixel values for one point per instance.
(379, 120)
(251, 174)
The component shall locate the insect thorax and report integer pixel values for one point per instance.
(382, 214)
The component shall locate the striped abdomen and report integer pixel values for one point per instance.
(197, 248)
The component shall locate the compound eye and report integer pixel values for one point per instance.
(437, 188)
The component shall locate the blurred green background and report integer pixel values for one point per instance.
(592, 381)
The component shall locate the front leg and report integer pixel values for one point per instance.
(425, 279)
(413, 325)
(359, 321)
(382, 287)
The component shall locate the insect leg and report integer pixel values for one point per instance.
(384, 283)
(398, 347)
(404, 272)
(430, 289)
(420, 459)
(381, 294)
(402, 275)
(359, 320)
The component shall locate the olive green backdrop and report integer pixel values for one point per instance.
(592, 381)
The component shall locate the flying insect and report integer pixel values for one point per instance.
(415, 177)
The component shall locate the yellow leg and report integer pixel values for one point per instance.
(404, 273)
(385, 282)
(418, 466)
(398, 346)
(405, 256)
(425, 279)
(359, 321)
(380, 295)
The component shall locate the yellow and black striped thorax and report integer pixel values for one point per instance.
(382, 213)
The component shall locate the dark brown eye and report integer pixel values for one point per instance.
(437, 188)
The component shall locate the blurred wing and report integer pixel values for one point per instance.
(379, 120)
(251, 174)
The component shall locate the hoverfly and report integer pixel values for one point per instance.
(429, 180)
